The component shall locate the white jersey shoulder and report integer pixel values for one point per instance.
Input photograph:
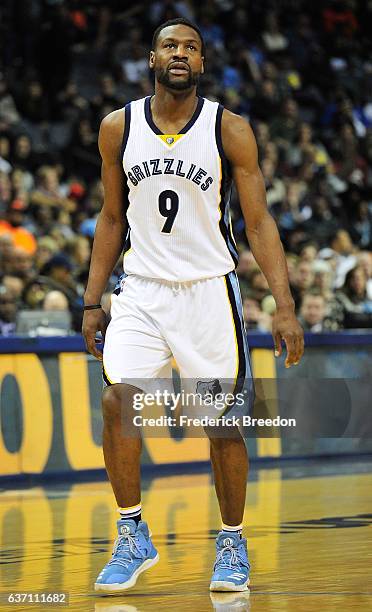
(178, 196)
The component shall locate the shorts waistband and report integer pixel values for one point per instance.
(178, 285)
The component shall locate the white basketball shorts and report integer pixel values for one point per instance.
(198, 323)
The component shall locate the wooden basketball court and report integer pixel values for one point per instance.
(309, 529)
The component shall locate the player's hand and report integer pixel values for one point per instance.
(287, 328)
(94, 321)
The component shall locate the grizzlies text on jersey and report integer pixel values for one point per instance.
(178, 196)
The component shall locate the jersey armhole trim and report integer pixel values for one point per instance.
(218, 132)
(127, 115)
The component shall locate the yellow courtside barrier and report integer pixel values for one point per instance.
(50, 413)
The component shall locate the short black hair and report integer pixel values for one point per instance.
(178, 21)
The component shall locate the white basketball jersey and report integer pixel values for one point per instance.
(178, 196)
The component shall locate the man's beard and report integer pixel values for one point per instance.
(162, 76)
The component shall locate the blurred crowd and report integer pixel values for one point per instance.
(300, 72)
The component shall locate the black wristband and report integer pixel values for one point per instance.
(92, 307)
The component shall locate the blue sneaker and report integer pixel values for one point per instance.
(133, 554)
(231, 568)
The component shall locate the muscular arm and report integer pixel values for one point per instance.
(241, 150)
(111, 226)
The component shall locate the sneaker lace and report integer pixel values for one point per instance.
(228, 557)
(127, 547)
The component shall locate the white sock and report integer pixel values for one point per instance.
(233, 528)
(132, 512)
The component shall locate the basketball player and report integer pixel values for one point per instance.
(179, 296)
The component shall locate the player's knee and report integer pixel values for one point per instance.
(216, 441)
(112, 403)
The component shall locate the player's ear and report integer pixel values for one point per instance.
(202, 66)
(152, 59)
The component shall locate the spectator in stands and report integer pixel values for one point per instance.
(305, 148)
(272, 37)
(322, 224)
(339, 20)
(309, 252)
(23, 156)
(94, 199)
(303, 280)
(284, 128)
(312, 311)
(262, 134)
(33, 294)
(300, 74)
(246, 263)
(292, 261)
(271, 152)
(254, 317)
(6, 248)
(57, 275)
(58, 271)
(9, 115)
(44, 220)
(361, 228)
(135, 67)
(8, 311)
(107, 97)
(357, 306)
(291, 213)
(346, 152)
(364, 259)
(34, 103)
(275, 190)
(55, 300)
(14, 284)
(13, 226)
(5, 165)
(5, 190)
(258, 284)
(323, 276)
(344, 252)
(21, 184)
(84, 161)
(80, 252)
(21, 264)
(71, 103)
(46, 248)
(266, 103)
(48, 191)
(323, 283)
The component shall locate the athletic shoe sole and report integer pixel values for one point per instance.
(118, 587)
(224, 585)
